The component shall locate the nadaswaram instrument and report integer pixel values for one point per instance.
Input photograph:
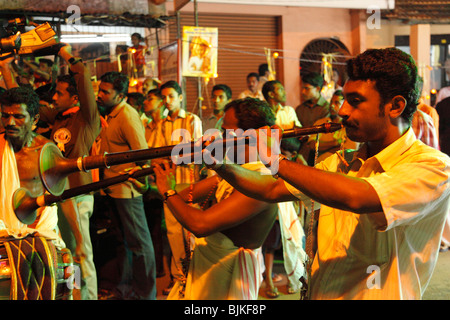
(54, 169)
(25, 205)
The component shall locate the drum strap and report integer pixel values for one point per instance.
(32, 262)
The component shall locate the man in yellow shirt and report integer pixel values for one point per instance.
(384, 205)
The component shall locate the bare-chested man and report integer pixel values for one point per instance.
(19, 156)
(229, 231)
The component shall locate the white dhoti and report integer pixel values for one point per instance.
(293, 239)
(218, 269)
(221, 271)
(10, 225)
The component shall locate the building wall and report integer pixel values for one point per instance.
(385, 35)
(299, 25)
(431, 63)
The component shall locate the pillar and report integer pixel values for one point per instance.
(420, 46)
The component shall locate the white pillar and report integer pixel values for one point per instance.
(420, 45)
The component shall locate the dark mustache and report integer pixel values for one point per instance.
(347, 123)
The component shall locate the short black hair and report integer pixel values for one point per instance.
(290, 144)
(224, 88)
(269, 86)
(46, 92)
(72, 85)
(252, 113)
(156, 93)
(253, 74)
(137, 35)
(262, 69)
(118, 80)
(394, 72)
(139, 97)
(172, 84)
(19, 95)
(313, 78)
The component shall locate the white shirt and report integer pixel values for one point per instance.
(354, 259)
(286, 117)
(186, 127)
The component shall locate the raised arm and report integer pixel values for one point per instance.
(86, 95)
(8, 73)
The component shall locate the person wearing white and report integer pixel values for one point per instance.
(253, 88)
(19, 149)
(225, 260)
(292, 234)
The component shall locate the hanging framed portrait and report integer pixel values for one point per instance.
(199, 52)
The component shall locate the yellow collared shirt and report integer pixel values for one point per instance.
(355, 258)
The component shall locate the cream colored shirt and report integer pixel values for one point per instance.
(357, 260)
(286, 117)
(153, 132)
(124, 132)
(187, 127)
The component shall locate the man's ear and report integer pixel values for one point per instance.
(122, 96)
(398, 104)
(76, 99)
(271, 94)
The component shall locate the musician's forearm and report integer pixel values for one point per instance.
(342, 191)
(188, 216)
(254, 184)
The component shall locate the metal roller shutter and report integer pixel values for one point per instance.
(242, 39)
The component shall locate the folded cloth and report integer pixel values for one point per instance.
(220, 271)
(293, 238)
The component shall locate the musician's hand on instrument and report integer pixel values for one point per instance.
(268, 143)
(141, 185)
(165, 176)
(79, 256)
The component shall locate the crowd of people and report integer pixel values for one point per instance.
(372, 196)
